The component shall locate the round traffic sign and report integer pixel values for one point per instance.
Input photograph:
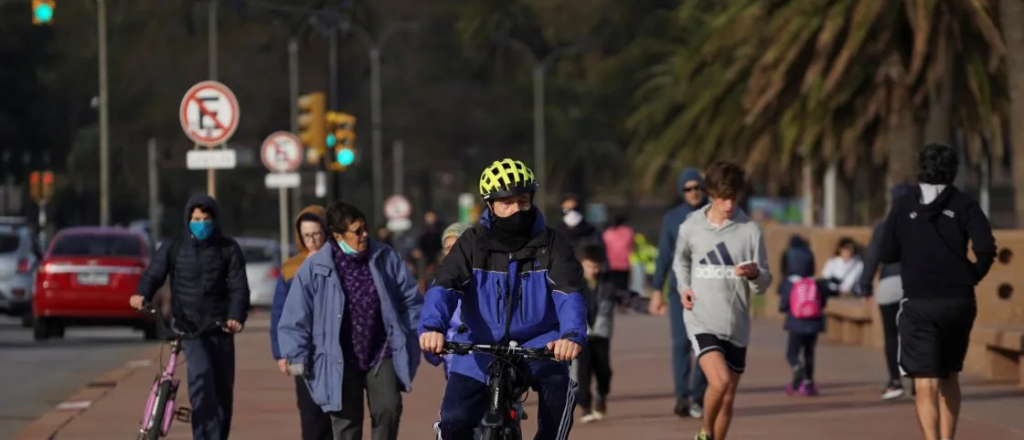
(281, 152)
(209, 113)
(397, 207)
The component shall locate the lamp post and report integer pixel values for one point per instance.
(539, 68)
(373, 47)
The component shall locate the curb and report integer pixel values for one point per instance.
(50, 423)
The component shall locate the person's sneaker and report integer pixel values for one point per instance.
(798, 380)
(682, 408)
(703, 435)
(696, 411)
(602, 406)
(808, 388)
(893, 391)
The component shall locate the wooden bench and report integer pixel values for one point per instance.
(848, 321)
(1004, 350)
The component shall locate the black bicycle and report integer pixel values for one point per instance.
(507, 386)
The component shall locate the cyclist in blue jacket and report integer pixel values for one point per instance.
(518, 280)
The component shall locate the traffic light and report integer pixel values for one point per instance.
(40, 186)
(48, 186)
(42, 11)
(35, 189)
(340, 140)
(312, 122)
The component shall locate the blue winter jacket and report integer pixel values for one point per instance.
(541, 282)
(309, 331)
(670, 232)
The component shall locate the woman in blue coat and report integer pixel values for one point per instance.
(348, 327)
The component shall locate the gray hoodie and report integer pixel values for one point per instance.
(705, 258)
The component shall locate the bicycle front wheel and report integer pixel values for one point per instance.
(157, 420)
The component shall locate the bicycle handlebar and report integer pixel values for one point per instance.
(148, 308)
(462, 348)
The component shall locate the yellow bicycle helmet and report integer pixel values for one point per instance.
(506, 178)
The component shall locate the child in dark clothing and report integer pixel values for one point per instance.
(603, 300)
(802, 299)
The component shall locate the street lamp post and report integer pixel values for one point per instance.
(101, 25)
(539, 69)
(373, 47)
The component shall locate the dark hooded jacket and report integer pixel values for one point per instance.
(208, 281)
(670, 230)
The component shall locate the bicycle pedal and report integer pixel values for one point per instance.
(183, 414)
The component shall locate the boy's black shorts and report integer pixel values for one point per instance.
(735, 356)
(934, 334)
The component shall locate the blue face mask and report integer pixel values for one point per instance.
(346, 248)
(201, 230)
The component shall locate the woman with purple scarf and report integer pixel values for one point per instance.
(348, 328)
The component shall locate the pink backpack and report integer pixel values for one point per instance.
(805, 299)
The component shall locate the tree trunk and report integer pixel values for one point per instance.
(1012, 18)
(939, 127)
(904, 143)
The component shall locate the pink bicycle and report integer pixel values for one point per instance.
(160, 410)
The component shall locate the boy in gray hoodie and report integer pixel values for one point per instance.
(720, 259)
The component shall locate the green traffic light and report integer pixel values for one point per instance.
(44, 13)
(331, 140)
(346, 156)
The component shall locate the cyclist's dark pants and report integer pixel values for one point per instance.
(211, 380)
(465, 402)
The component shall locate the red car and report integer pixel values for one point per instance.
(86, 278)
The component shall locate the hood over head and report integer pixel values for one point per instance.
(687, 175)
(454, 230)
(206, 203)
(291, 266)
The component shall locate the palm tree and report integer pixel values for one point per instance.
(1011, 15)
(839, 80)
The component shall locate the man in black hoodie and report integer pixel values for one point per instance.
(928, 233)
(208, 285)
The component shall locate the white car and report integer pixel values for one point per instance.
(262, 267)
(19, 257)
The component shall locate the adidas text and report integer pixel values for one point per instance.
(717, 272)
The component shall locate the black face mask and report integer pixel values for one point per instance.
(515, 230)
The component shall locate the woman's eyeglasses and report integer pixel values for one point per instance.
(689, 189)
(313, 236)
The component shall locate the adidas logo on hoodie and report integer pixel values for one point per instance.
(717, 264)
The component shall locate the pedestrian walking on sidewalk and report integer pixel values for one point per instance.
(604, 298)
(618, 242)
(887, 295)
(927, 233)
(802, 298)
(689, 396)
(310, 236)
(208, 284)
(348, 327)
(720, 260)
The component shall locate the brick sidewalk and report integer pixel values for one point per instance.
(848, 409)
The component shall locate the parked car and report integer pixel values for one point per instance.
(86, 278)
(262, 267)
(19, 258)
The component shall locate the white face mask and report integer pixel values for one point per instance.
(572, 218)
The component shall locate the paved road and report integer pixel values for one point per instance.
(35, 377)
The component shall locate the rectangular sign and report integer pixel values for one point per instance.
(211, 159)
(283, 180)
